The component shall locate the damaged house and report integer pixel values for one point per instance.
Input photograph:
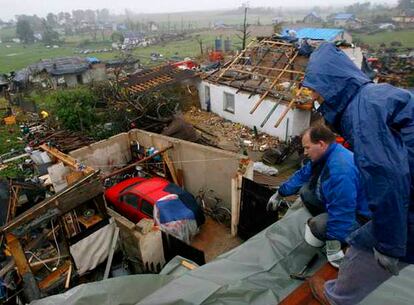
(260, 87)
(65, 71)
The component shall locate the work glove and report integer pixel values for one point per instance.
(334, 252)
(389, 263)
(274, 202)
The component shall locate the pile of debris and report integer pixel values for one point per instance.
(63, 140)
(229, 135)
(53, 226)
(393, 68)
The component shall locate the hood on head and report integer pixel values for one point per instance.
(332, 74)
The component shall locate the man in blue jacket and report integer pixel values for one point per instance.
(378, 122)
(330, 188)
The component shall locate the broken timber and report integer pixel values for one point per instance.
(273, 83)
(131, 166)
(303, 294)
(82, 190)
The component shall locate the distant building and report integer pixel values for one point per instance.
(220, 25)
(312, 18)
(347, 21)
(341, 19)
(131, 38)
(405, 19)
(153, 27)
(65, 71)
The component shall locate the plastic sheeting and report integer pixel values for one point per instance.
(93, 249)
(173, 217)
(124, 290)
(257, 272)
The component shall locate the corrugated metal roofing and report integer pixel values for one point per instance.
(318, 33)
(344, 16)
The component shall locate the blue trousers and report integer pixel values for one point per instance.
(359, 275)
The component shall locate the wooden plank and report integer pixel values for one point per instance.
(264, 75)
(171, 167)
(180, 177)
(66, 159)
(55, 276)
(303, 294)
(188, 265)
(282, 116)
(279, 100)
(235, 60)
(30, 288)
(72, 177)
(279, 43)
(18, 254)
(271, 69)
(274, 83)
(111, 253)
(67, 283)
(71, 197)
(130, 166)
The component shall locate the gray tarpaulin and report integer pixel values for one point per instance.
(256, 272)
(124, 290)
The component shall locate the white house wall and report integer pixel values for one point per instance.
(295, 122)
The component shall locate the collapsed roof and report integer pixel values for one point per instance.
(270, 68)
(60, 66)
(152, 79)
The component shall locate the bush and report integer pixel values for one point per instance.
(75, 109)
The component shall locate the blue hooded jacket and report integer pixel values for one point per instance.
(338, 188)
(378, 122)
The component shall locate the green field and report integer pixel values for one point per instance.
(17, 56)
(406, 37)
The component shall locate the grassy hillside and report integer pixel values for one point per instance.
(406, 37)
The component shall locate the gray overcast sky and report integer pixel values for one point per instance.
(10, 8)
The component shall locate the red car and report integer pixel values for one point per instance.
(135, 198)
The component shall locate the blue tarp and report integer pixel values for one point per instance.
(92, 60)
(173, 210)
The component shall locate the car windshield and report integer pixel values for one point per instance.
(130, 187)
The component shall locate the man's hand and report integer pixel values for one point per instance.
(387, 262)
(334, 252)
(274, 202)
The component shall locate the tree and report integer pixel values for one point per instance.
(245, 34)
(358, 8)
(51, 19)
(75, 109)
(24, 31)
(102, 15)
(49, 35)
(117, 37)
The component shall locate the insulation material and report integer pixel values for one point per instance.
(93, 249)
(57, 173)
